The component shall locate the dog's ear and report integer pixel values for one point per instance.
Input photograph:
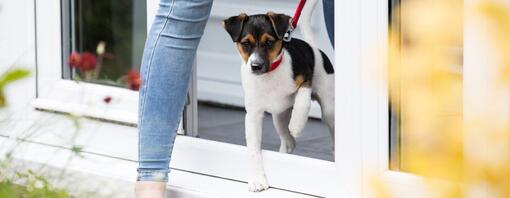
(280, 22)
(234, 26)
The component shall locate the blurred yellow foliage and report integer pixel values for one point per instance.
(425, 82)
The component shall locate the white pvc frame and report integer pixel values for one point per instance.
(362, 121)
(362, 135)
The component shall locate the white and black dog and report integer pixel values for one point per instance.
(280, 78)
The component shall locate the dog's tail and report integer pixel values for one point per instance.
(304, 22)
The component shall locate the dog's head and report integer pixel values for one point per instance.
(259, 38)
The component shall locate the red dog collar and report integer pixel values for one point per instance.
(277, 62)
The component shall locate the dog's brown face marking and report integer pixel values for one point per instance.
(243, 50)
(258, 39)
(276, 46)
(272, 46)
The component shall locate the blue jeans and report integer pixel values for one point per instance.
(165, 71)
(329, 18)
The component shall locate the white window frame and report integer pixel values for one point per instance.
(58, 94)
(362, 120)
(362, 103)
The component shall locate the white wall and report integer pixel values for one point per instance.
(17, 48)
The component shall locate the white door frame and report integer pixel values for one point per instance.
(362, 102)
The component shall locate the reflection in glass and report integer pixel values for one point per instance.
(104, 41)
(405, 134)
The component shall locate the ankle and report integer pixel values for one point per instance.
(149, 189)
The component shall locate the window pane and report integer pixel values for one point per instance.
(429, 84)
(104, 41)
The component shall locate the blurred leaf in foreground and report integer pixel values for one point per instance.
(8, 78)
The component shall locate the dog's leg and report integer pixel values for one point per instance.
(281, 123)
(300, 111)
(327, 104)
(328, 116)
(253, 123)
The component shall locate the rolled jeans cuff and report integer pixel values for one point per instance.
(153, 175)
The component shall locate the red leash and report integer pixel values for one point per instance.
(288, 36)
(297, 13)
(295, 20)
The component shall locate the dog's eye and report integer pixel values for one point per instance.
(269, 43)
(245, 44)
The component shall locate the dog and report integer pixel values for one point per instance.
(280, 78)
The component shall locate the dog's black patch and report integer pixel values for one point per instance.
(327, 64)
(258, 25)
(303, 59)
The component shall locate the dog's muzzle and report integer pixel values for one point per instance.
(256, 62)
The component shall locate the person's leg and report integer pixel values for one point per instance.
(166, 67)
(149, 189)
(329, 17)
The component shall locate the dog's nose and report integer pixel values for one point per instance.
(255, 66)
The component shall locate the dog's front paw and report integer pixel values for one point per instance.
(295, 130)
(257, 185)
(287, 145)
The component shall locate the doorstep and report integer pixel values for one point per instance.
(115, 177)
(107, 163)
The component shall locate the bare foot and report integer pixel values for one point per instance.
(149, 189)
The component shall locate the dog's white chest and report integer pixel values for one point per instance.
(272, 92)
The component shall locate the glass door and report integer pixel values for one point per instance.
(215, 109)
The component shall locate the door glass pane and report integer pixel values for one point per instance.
(103, 41)
(426, 90)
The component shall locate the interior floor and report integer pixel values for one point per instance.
(226, 124)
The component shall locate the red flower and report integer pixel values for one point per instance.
(74, 60)
(88, 61)
(133, 79)
(83, 62)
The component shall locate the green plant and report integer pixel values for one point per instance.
(29, 184)
(8, 78)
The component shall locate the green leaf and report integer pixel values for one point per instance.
(2, 98)
(75, 119)
(76, 149)
(9, 77)
(13, 75)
